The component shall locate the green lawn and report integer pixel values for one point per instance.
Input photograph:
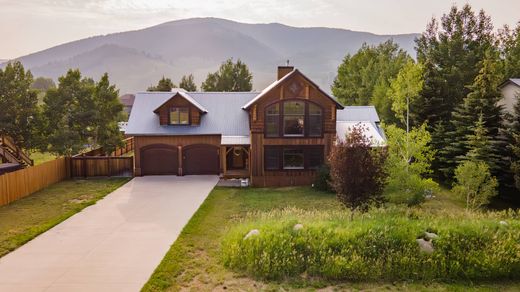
(24, 219)
(193, 262)
(41, 157)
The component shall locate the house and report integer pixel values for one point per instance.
(127, 100)
(276, 137)
(510, 90)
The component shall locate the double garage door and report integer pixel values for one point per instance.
(161, 159)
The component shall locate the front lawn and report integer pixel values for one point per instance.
(26, 218)
(194, 261)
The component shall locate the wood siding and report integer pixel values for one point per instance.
(177, 141)
(178, 101)
(294, 88)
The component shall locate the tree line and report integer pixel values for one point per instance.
(452, 89)
(77, 114)
(230, 77)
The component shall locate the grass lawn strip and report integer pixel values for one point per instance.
(26, 218)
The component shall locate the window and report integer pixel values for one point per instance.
(293, 118)
(179, 116)
(314, 157)
(315, 120)
(293, 159)
(272, 120)
(272, 158)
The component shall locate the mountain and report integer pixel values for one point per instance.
(137, 59)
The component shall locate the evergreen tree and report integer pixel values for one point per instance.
(69, 111)
(364, 78)
(451, 57)
(510, 47)
(481, 103)
(513, 135)
(164, 84)
(187, 83)
(230, 77)
(18, 105)
(43, 84)
(109, 111)
(479, 145)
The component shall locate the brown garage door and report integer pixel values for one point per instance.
(159, 159)
(200, 159)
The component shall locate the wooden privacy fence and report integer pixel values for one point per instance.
(87, 166)
(18, 184)
(127, 147)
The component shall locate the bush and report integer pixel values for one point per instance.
(379, 245)
(474, 183)
(408, 188)
(323, 178)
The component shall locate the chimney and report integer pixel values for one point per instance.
(284, 70)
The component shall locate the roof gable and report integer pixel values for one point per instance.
(186, 97)
(514, 81)
(277, 83)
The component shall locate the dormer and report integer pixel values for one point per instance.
(180, 110)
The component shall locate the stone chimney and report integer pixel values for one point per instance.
(284, 70)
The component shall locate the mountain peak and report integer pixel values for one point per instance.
(136, 59)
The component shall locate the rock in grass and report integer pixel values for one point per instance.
(425, 246)
(298, 227)
(430, 235)
(252, 233)
(503, 223)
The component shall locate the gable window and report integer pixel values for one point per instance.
(272, 120)
(179, 116)
(315, 120)
(293, 118)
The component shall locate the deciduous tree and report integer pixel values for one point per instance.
(357, 171)
(18, 105)
(230, 77)
(187, 83)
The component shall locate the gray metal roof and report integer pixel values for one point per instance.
(366, 113)
(515, 81)
(225, 115)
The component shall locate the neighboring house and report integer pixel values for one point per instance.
(510, 90)
(276, 137)
(127, 101)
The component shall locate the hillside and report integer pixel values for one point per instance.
(136, 59)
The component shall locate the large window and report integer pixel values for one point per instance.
(179, 116)
(293, 119)
(272, 120)
(292, 157)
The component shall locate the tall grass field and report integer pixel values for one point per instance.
(378, 245)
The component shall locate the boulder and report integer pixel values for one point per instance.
(298, 227)
(425, 245)
(430, 235)
(503, 223)
(252, 233)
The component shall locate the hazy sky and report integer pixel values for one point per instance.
(27, 26)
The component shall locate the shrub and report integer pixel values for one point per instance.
(409, 160)
(322, 181)
(380, 245)
(357, 171)
(475, 183)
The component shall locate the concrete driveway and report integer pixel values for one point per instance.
(114, 245)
